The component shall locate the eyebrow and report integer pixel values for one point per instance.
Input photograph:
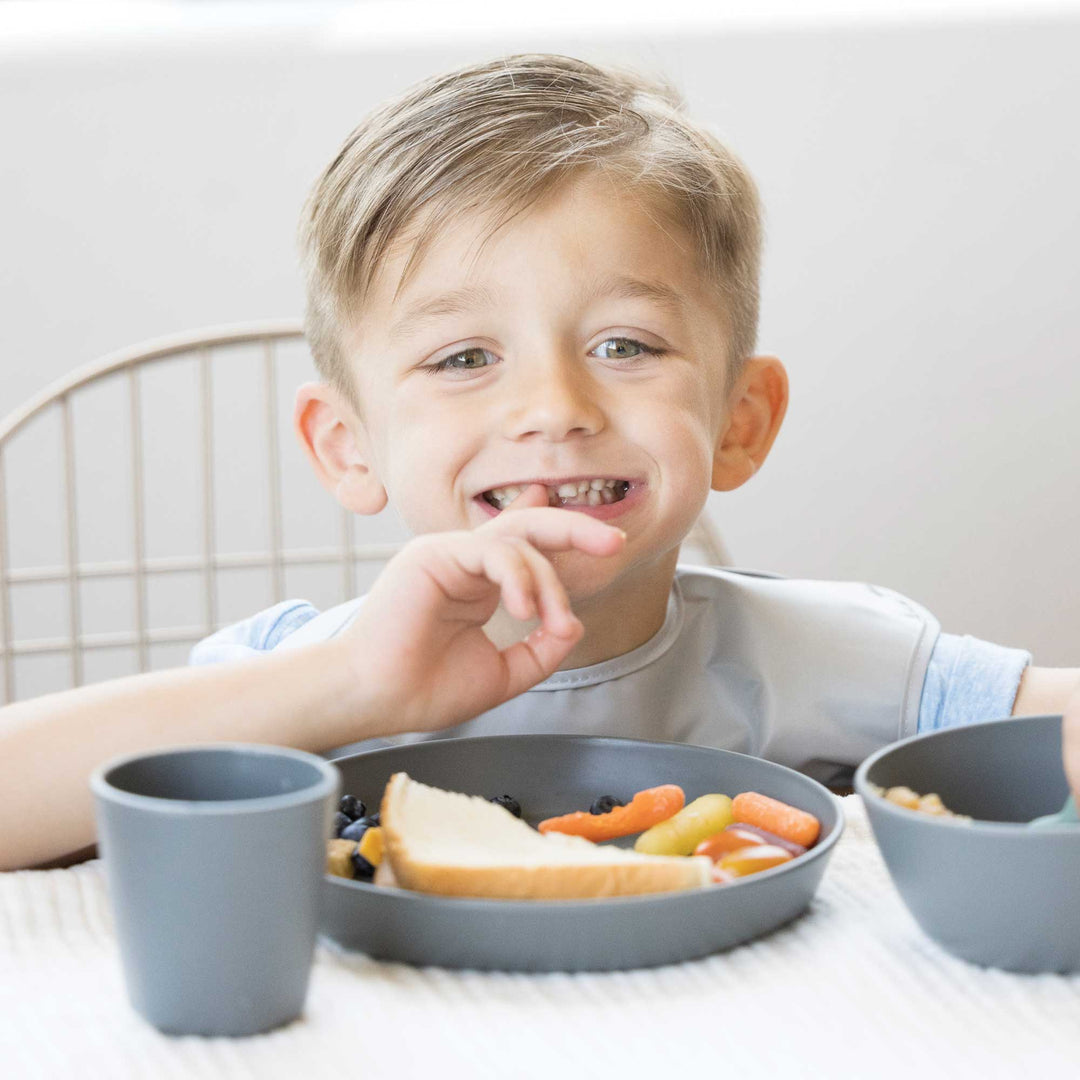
(474, 297)
(625, 287)
(455, 302)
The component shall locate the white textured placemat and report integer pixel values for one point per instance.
(852, 988)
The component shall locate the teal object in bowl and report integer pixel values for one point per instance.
(992, 891)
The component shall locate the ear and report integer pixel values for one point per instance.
(336, 444)
(755, 411)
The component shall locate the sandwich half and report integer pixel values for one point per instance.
(451, 844)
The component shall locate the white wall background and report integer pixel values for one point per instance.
(921, 278)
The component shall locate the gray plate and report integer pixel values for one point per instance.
(553, 774)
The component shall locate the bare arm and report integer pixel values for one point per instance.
(1045, 690)
(50, 745)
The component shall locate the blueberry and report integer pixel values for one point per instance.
(362, 869)
(340, 821)
(374, 819)
(355, 830)
(351, 806)
(605, 804)
(507, 802)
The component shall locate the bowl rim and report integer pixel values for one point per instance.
(902, 813)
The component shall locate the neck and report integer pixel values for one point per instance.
(617, 619)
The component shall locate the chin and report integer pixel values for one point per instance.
(585, 579)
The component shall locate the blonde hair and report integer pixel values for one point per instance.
(499, 136)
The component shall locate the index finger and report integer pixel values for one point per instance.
(554, 529)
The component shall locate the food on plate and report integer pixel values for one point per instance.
(355, 847)
(645, 809)
(924, 804)
(507, 802)
(371, 846)
(769, 838)
(462, 845)
(605, 804)
(362, 870)
(339, 857)
(736, 837)
(787, 822)
(452, 844)
(682, 832)
(752, 860)
(359, 861)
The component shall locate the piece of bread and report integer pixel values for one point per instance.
(462, 845)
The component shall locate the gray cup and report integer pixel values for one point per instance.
(214, 857)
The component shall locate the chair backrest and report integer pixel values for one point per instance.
(141, 481)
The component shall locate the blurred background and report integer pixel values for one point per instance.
(919, 165)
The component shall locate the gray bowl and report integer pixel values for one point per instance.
(993, 892)
(548, 775)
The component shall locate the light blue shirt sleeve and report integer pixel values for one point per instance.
(969, 680)
(254, 636)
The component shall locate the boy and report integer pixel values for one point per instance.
(536, 280)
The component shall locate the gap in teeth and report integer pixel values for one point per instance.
(573, 493)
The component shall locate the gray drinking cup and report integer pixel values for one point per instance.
(214, 857)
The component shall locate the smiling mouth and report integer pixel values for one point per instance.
(596, 492)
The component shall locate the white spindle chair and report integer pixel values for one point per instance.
(206, 350)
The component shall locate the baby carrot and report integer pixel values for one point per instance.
(646, 809)
(776, 817)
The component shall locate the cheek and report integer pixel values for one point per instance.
(679, 435)
(420, 462)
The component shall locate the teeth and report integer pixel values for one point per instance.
(572, 493)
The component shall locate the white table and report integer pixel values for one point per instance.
(853, 988)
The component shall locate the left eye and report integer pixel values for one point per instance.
(621, 348)
(467, 360)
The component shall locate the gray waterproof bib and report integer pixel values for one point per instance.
(812, 674)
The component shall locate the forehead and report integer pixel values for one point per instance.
(588, 238)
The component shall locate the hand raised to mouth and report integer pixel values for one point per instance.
(421, 627)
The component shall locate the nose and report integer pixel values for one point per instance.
(554, 400)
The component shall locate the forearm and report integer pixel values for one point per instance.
(312, 699)
(1045, 690)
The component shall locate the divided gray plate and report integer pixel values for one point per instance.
(553, 774)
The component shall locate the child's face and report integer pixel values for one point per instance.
(581, 346)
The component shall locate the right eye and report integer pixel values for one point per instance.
(467, 360)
